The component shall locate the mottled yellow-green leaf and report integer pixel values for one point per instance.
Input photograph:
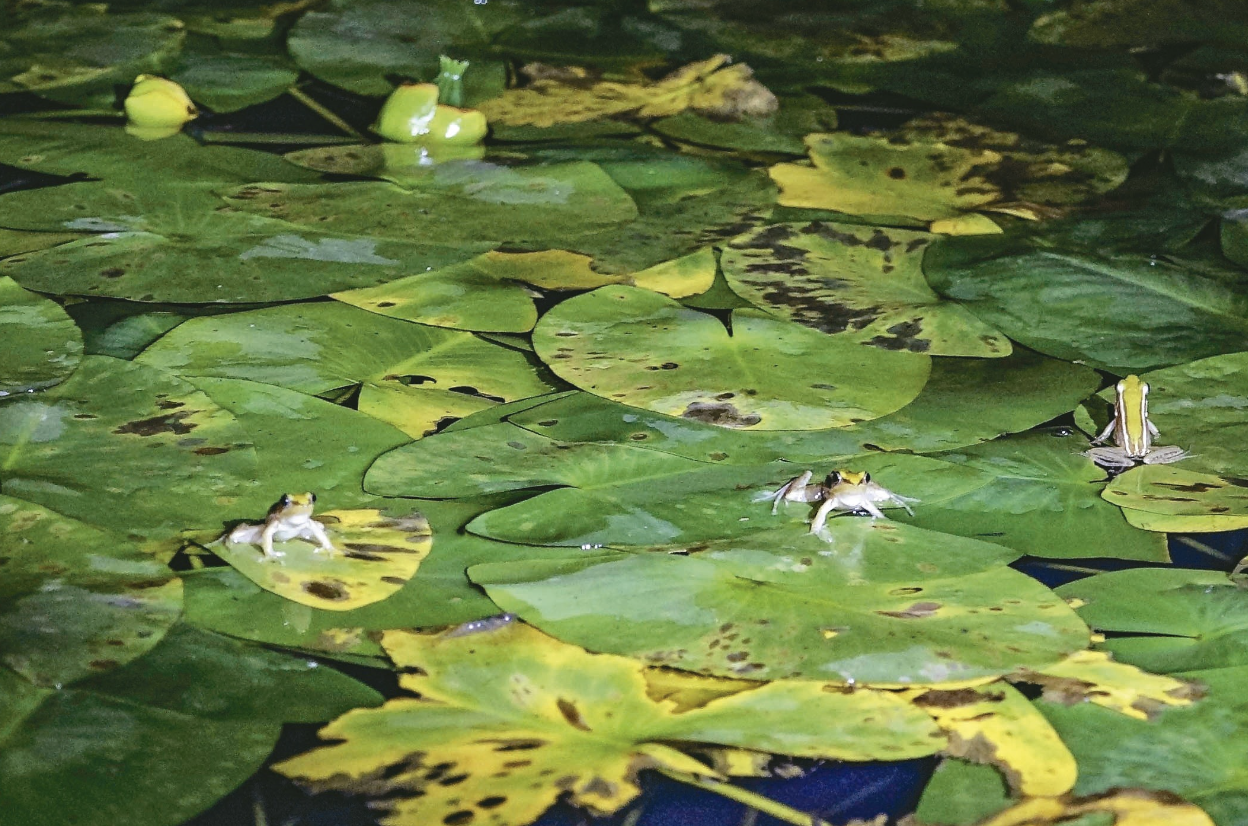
(996, 724)
(510, 720)
(1161, 523)
(1122, 807)
(691, 274)
(548, 269)
(417, 414)
(1091, 676)
(557, 96)
(376, 556)
(1172, 491)
(971, 224)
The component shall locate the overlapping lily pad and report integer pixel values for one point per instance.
(328, 348)
(649, 351)
(39, 342)
(877, 602)
(76, 600)
(865, 283)
(1167, 490)
(1120, 311)
(577, 716)
(124, 446)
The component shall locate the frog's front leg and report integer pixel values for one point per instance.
(870, 508)
(315, 532)
(902, 502)
(821, 515)
(266, 541)
(1165, 455)
(1104, 435)
(1111, 457)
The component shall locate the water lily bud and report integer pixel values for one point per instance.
(462, 127)
(157, 107)
(406, 114)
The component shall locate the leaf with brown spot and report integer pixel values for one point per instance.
(1169, 490)
(376, 555)
(1093, 676)
(862, 283)
(511, 719)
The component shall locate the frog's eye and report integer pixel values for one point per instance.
(286, 499)
(866, 477)
(312, 498)
(833, 478)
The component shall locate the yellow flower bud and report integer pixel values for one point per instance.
(157, 108)
(405, 116)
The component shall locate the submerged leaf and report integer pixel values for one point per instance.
(557, 96)
(511, 719)
(649, 351)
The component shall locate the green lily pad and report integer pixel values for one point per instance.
(582, 717)
(878, 602)
(76, 53)
(1043, 500)
(123, 446)
(328, 348)
(161, 739)
(1166, 619)
(965, 401)
(1197, 752)
(1133, 23)
(361, 46)
(14, 241)
(1234, 232)
(615, 493)
(781, 132)
(302, 443)
(1172, 491)
(76, 600)
(1060, 303)
(1199, 406)
(864, 283)
(376, 554)
(192, 256)
(456, 202)
(649, 351)
(226, 82)
(39, 343)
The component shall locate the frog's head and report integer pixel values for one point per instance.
(848, 478)
(294, 504)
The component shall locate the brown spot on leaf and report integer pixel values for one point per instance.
(330, 589)
(211, 451)
(956, 698)
(170, 423)
(721, 413)
(919, 610)
(572, 714)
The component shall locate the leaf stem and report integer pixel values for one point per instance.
(73, 113)
(755, 801)
(273, 137)
(1078, 569)
(1203, 548)
(301, 96)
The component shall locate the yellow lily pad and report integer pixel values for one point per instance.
(1124, 807)
(569, 95)
(509, 720)
(1162, 523)
(1093, 677)
(996, 724)
(1172, 491)
(376, 555)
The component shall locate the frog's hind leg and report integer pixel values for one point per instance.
(1165, 455)
(1110, 457)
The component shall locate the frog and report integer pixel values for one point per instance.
(1132, 432)
(843, 490)
(289, 518)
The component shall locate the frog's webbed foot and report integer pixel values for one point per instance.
(1110, 457)
(903, 502)
(1165, 455)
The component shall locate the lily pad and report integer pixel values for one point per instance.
(1043, 500)
(325, 349)
(583, 717)
(864, 283)
(302, 443)
(76, 600)
(455, 202)
(76, 54)
(1057, 302)
(877, 602)
(649, 351)
(711, 86)
(376, 555)
(39, 343)
(227, 82)
(121, 445)
(1168, 620)
(964, 402)
(1172, 491)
